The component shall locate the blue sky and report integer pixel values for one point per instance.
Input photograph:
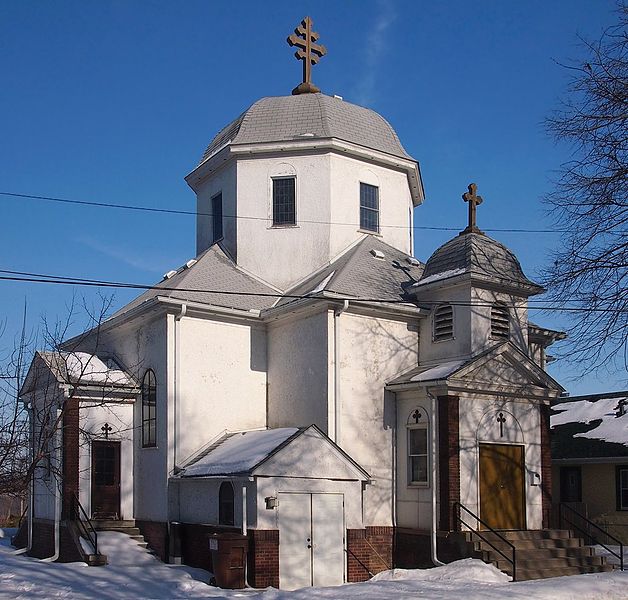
(116, 101)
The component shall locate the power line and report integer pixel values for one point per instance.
(26, 277)
(172, 211)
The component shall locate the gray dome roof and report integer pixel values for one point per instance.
(314, 116)
(478, 255)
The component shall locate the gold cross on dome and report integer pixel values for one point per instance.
(309, 52)
(474, 200)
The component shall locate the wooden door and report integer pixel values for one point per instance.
(105, 480)
(502, 490)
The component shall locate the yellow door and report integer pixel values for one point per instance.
(502, 502)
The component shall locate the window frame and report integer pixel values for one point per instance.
(423, 426)
(565, 473)
(440, 308)
(369, 209)
(223, 518)
(274, 201)
(621, 471)
(149, 417)
(215, 219)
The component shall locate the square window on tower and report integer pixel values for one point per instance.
(284, 201)
(369, 207)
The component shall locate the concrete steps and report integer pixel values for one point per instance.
(123, 526)
(539, 553)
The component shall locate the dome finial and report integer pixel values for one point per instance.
(474, 200)
(309, 52)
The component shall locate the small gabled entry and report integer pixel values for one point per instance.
(105, 480)
(502, 489)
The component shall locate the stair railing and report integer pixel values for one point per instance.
(512, 559)
(563, 508)
(85, 525)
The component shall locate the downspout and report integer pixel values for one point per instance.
(58, 483)
(244, 515)
(337, 313)
(435, 560)
(177, 343)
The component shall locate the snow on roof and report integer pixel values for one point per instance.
(239, 452)
(88, 368)
(439, 371)
(612, 428)
(443, 275)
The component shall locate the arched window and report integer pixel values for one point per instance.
(149, 410)
(443, 322)
(225, 504)
(500, 321)
(418, 447)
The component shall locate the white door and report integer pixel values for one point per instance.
(311, 540)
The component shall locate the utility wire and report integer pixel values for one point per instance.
(23, 276)
(171, 211)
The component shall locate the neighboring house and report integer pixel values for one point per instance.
(590, 457)
(363, 393)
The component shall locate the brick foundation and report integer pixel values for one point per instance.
(263, 558)
(546, 466)
(448, 459)
(369, 551)
(156, 535)
(44, 541)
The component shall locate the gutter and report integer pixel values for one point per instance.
(58, 479)
(337, 314)
(177, 376)
(433, 544)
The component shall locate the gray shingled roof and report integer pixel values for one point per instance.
(283, 118)
(215, 271)
(357, 273)
(479, 255)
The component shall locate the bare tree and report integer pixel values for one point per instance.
(589, 274)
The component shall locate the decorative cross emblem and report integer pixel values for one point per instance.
(474, 200)
(106, 429)
(416, 415)
(309, 52)
(621, 407)
(501, 420)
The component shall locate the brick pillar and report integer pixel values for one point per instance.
(263, 558)
(546, 466)
(448, 459)
(70, 446)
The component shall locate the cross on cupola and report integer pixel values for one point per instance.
(309, 52)
(474, 201)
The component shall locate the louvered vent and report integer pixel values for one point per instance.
(443, 323)
(500, 322)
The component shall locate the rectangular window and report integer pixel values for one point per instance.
(417, 456)
(622, 488)
(217, 216)
(570, 484)
(369, 207)
(284, 205)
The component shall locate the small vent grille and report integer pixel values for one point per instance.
(443, 323)
(500, 322)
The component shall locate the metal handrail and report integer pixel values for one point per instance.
(562, 518)
(85, 524)
(512, 560)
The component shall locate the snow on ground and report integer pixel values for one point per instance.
(612, 559)
(133, 573)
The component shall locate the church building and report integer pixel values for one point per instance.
(304, 380)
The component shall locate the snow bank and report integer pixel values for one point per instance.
(465, 570)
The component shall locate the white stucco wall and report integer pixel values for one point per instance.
(395, 203)
(221, 380)
(298, 371)
(119, 416)
(222, 181)
(414, 502)
(372, 351)
(283, 255)
(138, 346)
(478, 424)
